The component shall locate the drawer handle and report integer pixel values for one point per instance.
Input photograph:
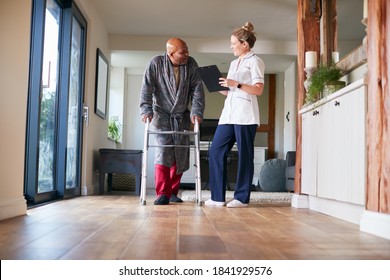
(316, 113)
(337, 103)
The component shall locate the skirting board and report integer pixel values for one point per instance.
(342, 210)
(89, 190)
(300, 201)
(13, 208)
(376, 223)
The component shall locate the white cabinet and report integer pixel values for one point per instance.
(333, 146)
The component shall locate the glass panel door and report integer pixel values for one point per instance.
(56, 85)
(74, 109)
(48, 99)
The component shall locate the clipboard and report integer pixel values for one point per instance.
(210, 75)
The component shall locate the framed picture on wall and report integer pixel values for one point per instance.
(101, 84)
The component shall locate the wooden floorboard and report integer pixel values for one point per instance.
(118, 227)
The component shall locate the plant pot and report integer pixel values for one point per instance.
(332, 87)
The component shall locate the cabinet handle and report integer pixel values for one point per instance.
(316, 113)
(337, 103)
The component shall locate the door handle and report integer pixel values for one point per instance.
(86, 115)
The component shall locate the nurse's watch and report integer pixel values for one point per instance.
(239, 85)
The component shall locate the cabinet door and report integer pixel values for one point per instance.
(334, 169)
(310, 121)
(358, 146)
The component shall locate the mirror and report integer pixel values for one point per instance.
(350, 30)
(101, 84)
(343, 32)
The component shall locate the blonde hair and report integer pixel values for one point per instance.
(245, 34)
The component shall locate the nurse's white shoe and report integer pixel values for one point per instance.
(213, 203)
(236, 204)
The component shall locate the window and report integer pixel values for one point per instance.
(54, 122)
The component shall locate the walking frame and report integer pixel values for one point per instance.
(196, 147)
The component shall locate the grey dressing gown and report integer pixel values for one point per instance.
(171, 106)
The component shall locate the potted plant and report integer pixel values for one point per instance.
(324, 81)
(114, 129)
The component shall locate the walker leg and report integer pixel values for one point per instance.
(198, 186)
(144, 164)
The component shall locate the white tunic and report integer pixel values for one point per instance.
(240, 107)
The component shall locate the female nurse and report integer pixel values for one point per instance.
(238, 122)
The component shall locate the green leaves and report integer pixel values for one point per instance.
(114, 129)
(320, 77)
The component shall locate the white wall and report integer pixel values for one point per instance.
(95, 135)
(279, 115)
(14, 56)
(116, 97)
(134, 127)
(290, 108)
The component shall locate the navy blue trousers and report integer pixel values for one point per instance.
(225, 137)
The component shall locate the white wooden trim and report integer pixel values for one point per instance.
(376, 223)
(300, 201)
(342, 210)
(89, 190)
(13, 208)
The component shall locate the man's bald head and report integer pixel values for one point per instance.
(174, 44)
(177, 51)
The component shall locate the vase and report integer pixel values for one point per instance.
(332, 87)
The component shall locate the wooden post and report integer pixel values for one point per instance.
(378, 109)
(308, 28)
(329, 22)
